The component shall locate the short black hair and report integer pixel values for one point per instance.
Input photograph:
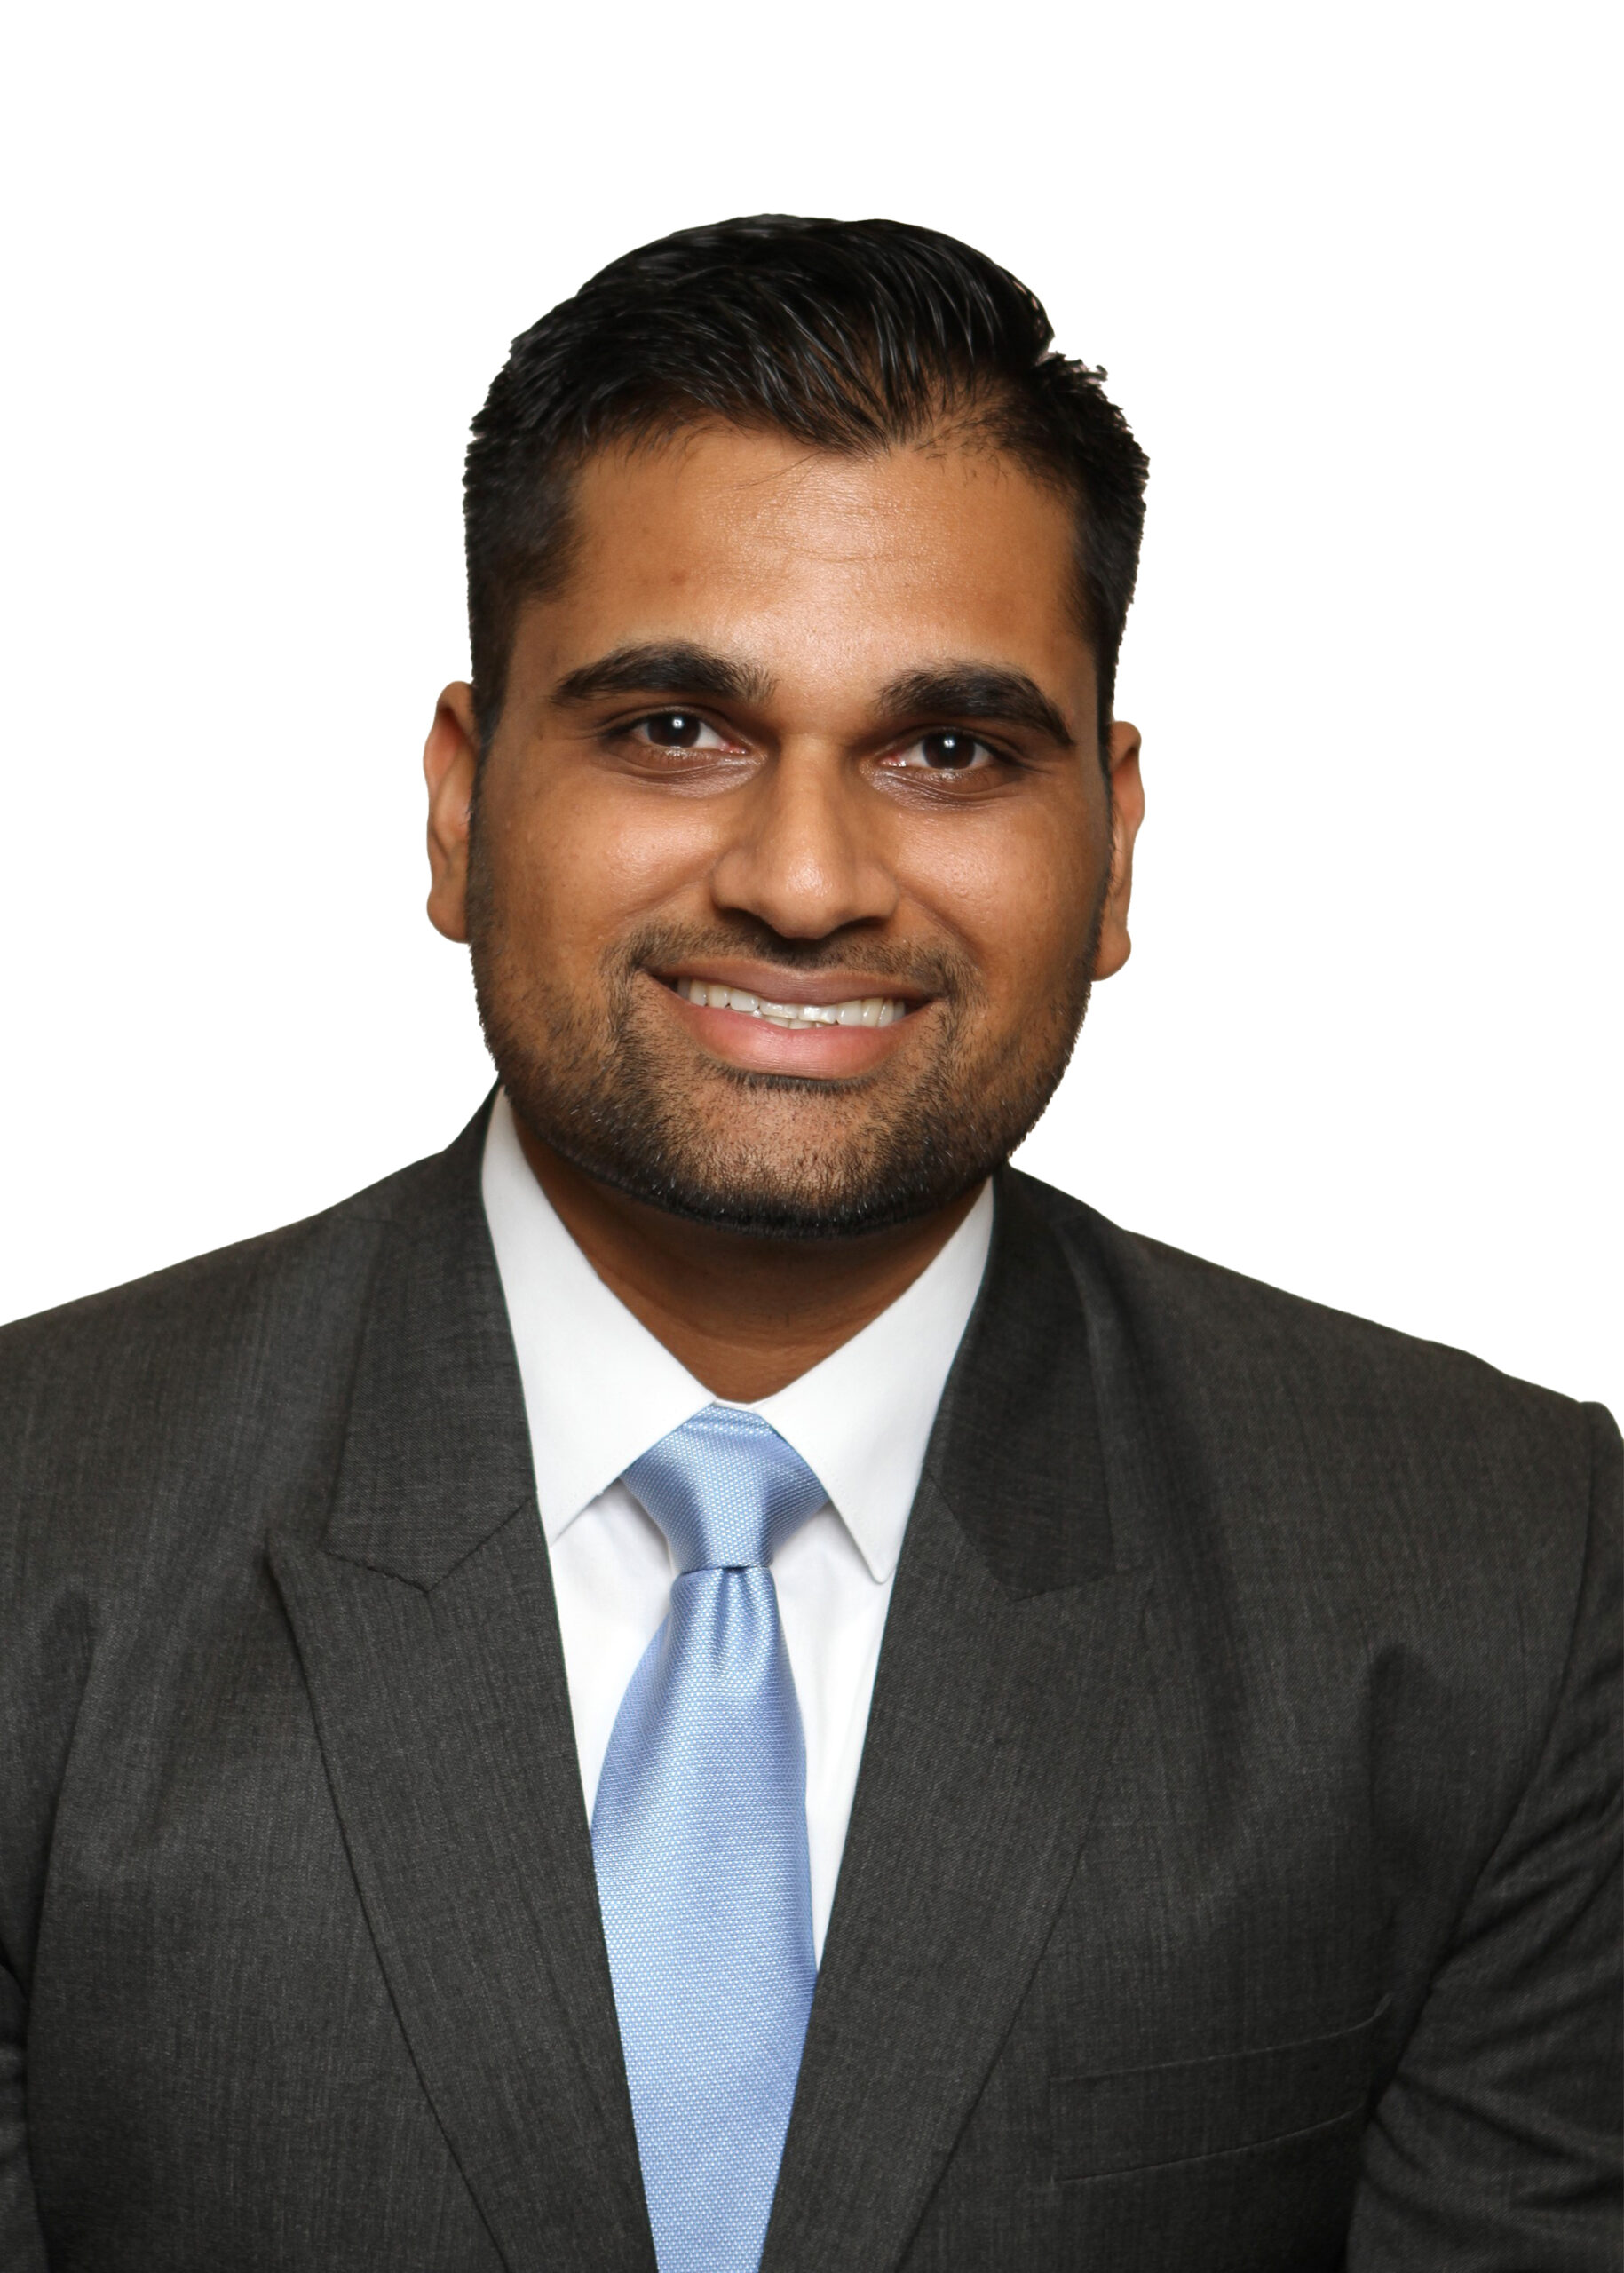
(846, 335)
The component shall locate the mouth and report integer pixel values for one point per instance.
(855, 1011)
(819, 1025)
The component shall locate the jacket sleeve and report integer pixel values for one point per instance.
(45, 1658)
(1496, 2143)
(22, 2248)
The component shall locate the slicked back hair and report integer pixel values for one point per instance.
(851, 335)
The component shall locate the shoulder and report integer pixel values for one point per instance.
(1315, 1452)
(1378, 1533)
(1301, 1368)
(122, 1408)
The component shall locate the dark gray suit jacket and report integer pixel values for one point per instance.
(1232, 1880)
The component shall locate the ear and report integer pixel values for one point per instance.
(450, 760)
(1127, 811)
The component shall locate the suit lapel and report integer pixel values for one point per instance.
(423, 1611)
(1009, 1638)
(426, 1624)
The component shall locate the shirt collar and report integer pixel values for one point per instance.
(600, 1389)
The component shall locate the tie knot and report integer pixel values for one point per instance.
(725, 1489)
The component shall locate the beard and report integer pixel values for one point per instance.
(627, 1099)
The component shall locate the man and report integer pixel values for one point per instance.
(712, 1676)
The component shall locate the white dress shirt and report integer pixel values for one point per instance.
(600, 1390)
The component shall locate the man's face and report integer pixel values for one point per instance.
(793, 855)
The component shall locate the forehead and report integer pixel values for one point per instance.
(755, 542)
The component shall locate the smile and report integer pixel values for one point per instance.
(868, 1011)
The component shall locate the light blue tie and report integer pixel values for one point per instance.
(698, 1834)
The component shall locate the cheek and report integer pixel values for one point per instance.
(1018, 892)
(579, 857)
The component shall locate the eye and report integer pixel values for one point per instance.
(678, 730)
(948, 750)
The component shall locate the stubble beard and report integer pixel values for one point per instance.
(775, 1155)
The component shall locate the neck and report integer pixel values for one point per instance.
(745, 1315)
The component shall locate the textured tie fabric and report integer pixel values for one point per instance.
(699, 1836)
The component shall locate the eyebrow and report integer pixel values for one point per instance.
(665, 667)
(985, 690)
(680, 667)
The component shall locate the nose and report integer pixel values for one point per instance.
(805, 860)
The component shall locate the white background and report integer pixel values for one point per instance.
(1347, 267)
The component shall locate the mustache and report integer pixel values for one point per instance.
(934, 970)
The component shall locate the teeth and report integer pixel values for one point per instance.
(872, 1011)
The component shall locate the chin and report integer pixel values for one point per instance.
(770, 1155)
(773, 1208)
